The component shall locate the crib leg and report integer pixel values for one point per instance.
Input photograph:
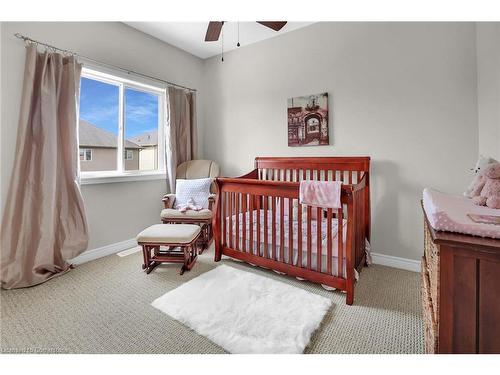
(349, 299)
(218, 252)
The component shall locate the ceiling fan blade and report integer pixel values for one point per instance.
(275, 25)
(213, 31)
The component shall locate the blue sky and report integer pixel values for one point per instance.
(99, 106)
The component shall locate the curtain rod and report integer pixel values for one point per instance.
(128, 71)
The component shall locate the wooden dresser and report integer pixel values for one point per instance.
(460, 293)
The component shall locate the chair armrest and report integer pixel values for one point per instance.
(168, 200)
(211, 201)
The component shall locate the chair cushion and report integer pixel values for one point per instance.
(169, 213)
(169, 233)
(198, 190)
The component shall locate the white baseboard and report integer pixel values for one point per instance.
(382, 259)
(104, 251)
(396, 262)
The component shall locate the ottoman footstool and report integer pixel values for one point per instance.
(180, 240)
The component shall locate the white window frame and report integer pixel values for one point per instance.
(120, 174)
(85, 154)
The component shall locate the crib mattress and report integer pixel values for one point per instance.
(260, 247)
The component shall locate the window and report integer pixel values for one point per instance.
(129, 155)
(85, 154)
(120, 128)
(141, 129)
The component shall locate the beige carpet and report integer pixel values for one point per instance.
(104, 307)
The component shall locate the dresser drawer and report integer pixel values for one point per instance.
(431, 255)
(428, 316)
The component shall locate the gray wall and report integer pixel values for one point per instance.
(117, 211)
(402, 93)
(488, 87)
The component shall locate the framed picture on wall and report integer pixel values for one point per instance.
(308, 120)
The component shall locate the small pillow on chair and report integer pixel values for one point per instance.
(198, 190)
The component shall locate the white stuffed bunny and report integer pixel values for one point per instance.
(189, 206)
(481, 165)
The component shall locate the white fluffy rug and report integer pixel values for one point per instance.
(246, 313)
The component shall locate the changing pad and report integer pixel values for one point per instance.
(449, 213)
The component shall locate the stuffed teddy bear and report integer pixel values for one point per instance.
(481, 164)
(487, 189)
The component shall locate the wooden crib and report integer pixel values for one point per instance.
(259, 220)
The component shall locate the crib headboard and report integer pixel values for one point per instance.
(351, 170)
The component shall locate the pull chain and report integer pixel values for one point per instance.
(237, 45)
(222, 45)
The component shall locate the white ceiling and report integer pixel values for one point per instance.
(190, 36)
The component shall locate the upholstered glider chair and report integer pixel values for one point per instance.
(190, 170)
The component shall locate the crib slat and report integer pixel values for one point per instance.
(224, 217)
(309, 236)
(290, 231)
(273, 228)
(250, 218)
(237, 218)
(340, 235)
(329, 241)
(258, 225)
(231, 219)
(266, 204)
(319, 222)
(282, 229)
(299, 235)
(244, 222)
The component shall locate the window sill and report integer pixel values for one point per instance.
(91, 178)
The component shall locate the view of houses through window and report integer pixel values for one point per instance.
(141, 129)
(104, 133)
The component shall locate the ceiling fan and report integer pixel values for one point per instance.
(215, 27)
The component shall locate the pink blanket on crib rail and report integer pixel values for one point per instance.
(323, 194)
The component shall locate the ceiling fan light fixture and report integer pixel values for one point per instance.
(215, 30)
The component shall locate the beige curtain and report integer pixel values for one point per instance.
(44, 221)
(181, 140)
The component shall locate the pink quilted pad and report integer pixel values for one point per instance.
(449, 213)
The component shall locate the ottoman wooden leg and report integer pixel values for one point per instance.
(151, 267)
(190, 256)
